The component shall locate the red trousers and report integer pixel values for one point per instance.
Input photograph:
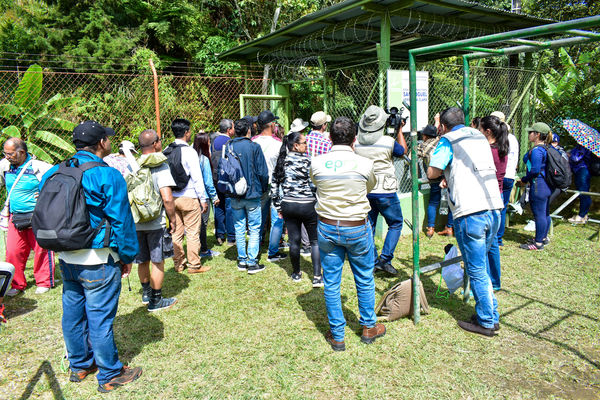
(18, 246)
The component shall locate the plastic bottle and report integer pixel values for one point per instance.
(444, 202)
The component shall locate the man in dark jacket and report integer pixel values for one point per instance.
(246, 210)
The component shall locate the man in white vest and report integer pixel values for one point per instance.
(381, 149)
(464, 157)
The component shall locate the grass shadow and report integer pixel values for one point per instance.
(538, 335)
(135, 330)
(44, 369)
(19, 305)
(175, 282)
(313, 305)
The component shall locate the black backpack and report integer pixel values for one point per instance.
(173, 153)
(61, 221)
(558, 171)
(215, 157)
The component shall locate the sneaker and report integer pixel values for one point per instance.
(202, 269)
(474, 320)
(42, 290)
(474, 327)
(209, 253)
(231, 243)
(284, 245)
(253, 269)
(335, 345)
(576, 219)
(276, 257)
(126, 376)
(532, 246)
(12, 292)
(2, 317)
(385, 267)
(242, 267)
(220, 241)
(545, 241)
(317, 281)
(146, 293)
(162, 304)
(370, 334)
(82, 374)
(305, 251)
(297, 277)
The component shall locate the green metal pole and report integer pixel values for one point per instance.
(416, 280)
(466, 71)
(384, 55)
(520, 33)
(325, 99)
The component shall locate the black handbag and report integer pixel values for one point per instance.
(22, 221)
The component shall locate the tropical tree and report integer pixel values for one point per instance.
(37, 122)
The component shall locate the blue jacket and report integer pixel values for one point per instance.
(106, 197)
(254, 166)
(207, 175)
(536, 164)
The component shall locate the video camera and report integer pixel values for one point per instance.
(394, 121)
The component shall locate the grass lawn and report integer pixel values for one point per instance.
(233, 335)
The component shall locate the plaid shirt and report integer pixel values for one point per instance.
(317, 144)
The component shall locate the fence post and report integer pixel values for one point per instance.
(156, 103)
(416, 282)
(466, 105)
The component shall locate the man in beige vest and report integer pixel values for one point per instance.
(379, 148)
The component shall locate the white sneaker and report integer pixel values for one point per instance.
(42, 290)
(576, 219)
(13, 292)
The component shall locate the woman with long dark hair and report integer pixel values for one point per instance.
(293, 196)
(539, 189)
(202, 147)
(496, 132)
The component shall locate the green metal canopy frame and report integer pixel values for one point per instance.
(570, 28)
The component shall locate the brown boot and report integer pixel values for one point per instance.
(448, 231)
(430, 232)
(370, 334)
(204, 268)
(83, 373)
(179, 268)
(335, 345)
(126, 376)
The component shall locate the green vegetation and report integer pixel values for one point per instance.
(243, 337)
(33, 119)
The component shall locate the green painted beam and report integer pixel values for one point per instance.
(384, 56)
(520, 33)
(466, 100)
(587, 34)
(472, 10)
(483, 50)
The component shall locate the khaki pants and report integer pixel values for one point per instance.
(187, 218)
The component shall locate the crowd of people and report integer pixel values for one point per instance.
(324, 181)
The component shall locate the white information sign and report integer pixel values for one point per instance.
(398, 90)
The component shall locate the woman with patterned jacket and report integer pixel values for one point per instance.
(293, 196)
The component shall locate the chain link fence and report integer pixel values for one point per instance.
(42, 107)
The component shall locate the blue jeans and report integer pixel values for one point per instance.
(539, 201)
(507, 185)
(390, 208)
(265, 204)
(224, 218)
(90, 300)
(335, 242)
(276, 231)
(494, 264)
(475, 234)
(435, 196)
(247, 211)
(582, 182)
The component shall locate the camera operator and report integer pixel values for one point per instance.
(373, 144)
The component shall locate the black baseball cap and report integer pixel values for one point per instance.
(89, 133)
(265, 117)
(430, 130)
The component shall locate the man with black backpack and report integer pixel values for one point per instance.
(190, 198)
(246, 207)
(223, 213)
(94, 234)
